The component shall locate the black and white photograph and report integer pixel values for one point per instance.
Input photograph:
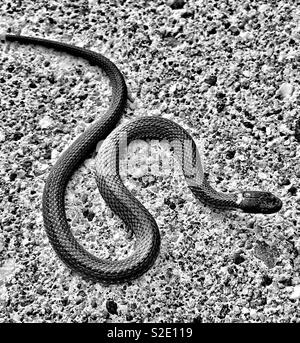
(149, 165)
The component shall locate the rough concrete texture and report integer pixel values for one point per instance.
(226, 71)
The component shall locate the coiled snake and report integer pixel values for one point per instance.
(110, 185)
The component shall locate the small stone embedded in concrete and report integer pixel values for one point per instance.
(2, 136)
(112, 307)
(285, 91)
(296, 293)
(176, 4)
(46, 122)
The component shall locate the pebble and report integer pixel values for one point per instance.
(211, 80)
(94, 303)
(172, 89)
(112, 307)
(266, 280)
(65, 301)
(245, 310)
(248, 245)
(2, 136)
(224, 311)
(176, 4)
(238, 258)
(266, 253)
(246, 36)
(296, 293)
(89, 214)
(230, 154)
(253, 314)
(284, 182)
(45, 122)
(285, 91)
(246, 73)
(40, 290)
(234, 30)
(212, 30)
(129, 317)
(7, 269)
(263, 8)
(293, 190)
(54, 154)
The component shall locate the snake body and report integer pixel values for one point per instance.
(116, 195)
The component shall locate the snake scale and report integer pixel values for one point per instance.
(136, 217)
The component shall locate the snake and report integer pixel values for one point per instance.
(110, 184)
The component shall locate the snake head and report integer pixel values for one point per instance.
(259, 202)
